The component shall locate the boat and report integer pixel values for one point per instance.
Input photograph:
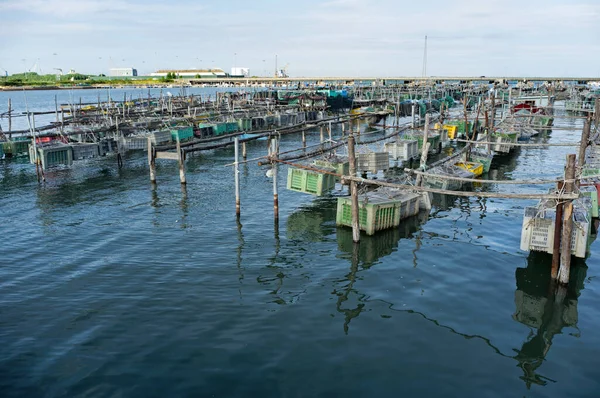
(533, 110)
(474, 167)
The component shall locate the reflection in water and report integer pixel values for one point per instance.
(240, 248)
(369, 251)
(383, 243)
(184, 206)
(312, 223)
(350, 313)
(545, 308)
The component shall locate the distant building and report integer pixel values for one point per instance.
(214, 72)
(122, 72)
(240, 72)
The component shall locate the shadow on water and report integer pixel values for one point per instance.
(546, 309)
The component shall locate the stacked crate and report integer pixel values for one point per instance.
(372, 162)
(311, 182)
(380, 209)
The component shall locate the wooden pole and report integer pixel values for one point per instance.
(557, 235)
(597, 114)
(304, 140)
(244, 153)
(492, 121)
(424, 150)
(353, 190)
(237, 177)
(565, 252)
(274, 169)
(9, 120)
(151, 162)
(329, 131)
(322, 135)
(56, 108)
(181, 162)
(585, 137)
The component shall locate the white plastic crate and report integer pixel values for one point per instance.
(372, 162)
(85, 151)
(403, 149)
(134, 143)
(537, 233)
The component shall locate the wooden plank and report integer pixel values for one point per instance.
(167, 155)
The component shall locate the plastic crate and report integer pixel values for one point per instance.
(378, 210)
(107, 145)
(245, 124)
(339, 165)
(484, 159)
(403, 149)
(591, 192)
(503, 138)
(537, 232)
(134, 143)
(52, 155)
(161, 137)
(310, 182)
(372, 162)
(184, 133)
(85, 151)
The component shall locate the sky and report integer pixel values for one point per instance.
(375, 38)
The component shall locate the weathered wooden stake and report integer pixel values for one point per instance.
(329, 131)
(585, 137)
(567, 230)
(237, 177)
(274, 170)
(353, 190)
(9, 120)
(244, 153)
(557, 234)
(56, 108)
(322, 135)
(492, 121)
(181, 162)
(424, 150)
(151, 161)
(597, 114)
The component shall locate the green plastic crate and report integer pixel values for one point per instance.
(220, 128)
(378, 210)
(341, 167)
(591, 192)
(184, 133)
(310, 182)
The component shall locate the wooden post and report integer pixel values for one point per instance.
(585, 137)
(274, 169)
(329, 131)
(424, 150)
(303, 140)
(9, 120)
(56, 108)
(565, 252)
(353, 190)
(151, 161)
(322, 135)
(124, 103)
(237, 177)
(492, 121)
(244, 153)
(181, 161)
(412, 115)
(597, 114)
(557, 235)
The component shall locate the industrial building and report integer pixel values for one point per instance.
(123, 72)
(191, 73)
(237, 71)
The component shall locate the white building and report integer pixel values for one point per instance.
(242, 72)
(128, 72)
(191, 73)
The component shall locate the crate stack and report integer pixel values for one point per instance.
(372, 162)
(380, 209)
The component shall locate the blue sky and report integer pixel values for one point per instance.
(316, 38)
